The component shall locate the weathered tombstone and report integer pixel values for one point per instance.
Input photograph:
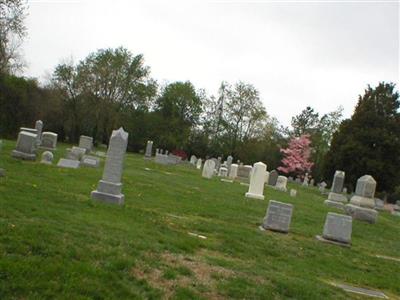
(208, 169)
(193, 160)
(76, 153)
(322, 187)
(345, 190)
(266, 177)
(149, 149)
(337, 229)
(305, 181)
(244, 172)
(199, 163)
(335, 197)
(90, 161)
(86, 142)
(39, 128)
(109, 187)
(257, 180)
(273, 177)
(229, 161)
(68, 163)
(290, 179)
(278, 217)
(293, 193)
(49, 141)
(281, 183)
(26, 146)
(47, 158)
(365, 192)
(298, 180)
(233, 171)
(218, 164)
(379, 204)
(223, 171)
(312, 182)
(362, 213)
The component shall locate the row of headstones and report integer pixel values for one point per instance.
(337, 228)
(30, 139)
(161, 156)
(362, 205)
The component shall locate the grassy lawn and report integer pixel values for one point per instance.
(55, 242)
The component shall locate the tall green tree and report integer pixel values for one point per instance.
(369, 142)
(12, 32)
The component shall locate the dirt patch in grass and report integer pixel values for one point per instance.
(176, 270)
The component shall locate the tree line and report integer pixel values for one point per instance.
(113, 87)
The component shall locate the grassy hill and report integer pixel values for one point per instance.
(55, 242)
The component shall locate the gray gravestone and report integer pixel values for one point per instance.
(338, 228)
(338, 182)
(281, 183)
(86, 142)
(76, 153)
(49, 141)
(361, 213)
(365, 192)
(278, 217)
(90, 161)
(39, 128)
(109, 187)
(149, 149)
(273, 177)
(208, 169)
(335, 197)
(26, 146)
(68, 163)
(199, 163)
(47, 158)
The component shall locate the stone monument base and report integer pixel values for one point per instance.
(336, 204)
(108, 192)
(322, 239)
(22, 155)
(362, 201)
(337, 197)
(361, 213)
(255, 196)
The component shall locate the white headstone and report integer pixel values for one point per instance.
(86, 142)
(223, 171)
(68, 163)
(293, 193)
(49, 141)
(47, 158)
(208, 169)
(257, 180)
(149, 147)
(199, 163)
(90, 161)
(233, 171)
(26, 146)
(109, 187)
(281, 183)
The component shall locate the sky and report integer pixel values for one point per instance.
(321, 54)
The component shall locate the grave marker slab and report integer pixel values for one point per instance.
(90, 161)
(26, 146)
(49, 141)
(257, 180)
(208, 169)
(278, 217)
(68, 163)
(338, 228)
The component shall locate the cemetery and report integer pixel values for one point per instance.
(208, 150)
(177, 224)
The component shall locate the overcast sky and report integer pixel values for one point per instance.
(321, 54)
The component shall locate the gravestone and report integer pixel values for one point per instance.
(273, 177)
(362, 213)
(86, 142)
(266, 177)
(39, 128)
(199, 163)
(76, 153)
(322, 187)
(281, 183)
(161, 158)
(305, 181)
(47, 158)
(109, 187)
(193, 160)
(337, 228)
(208, 169)
(298, 180)
(290, 179)
(26, 146)
(244, 172)
(218, 163)
(223, 171)
(335, 197)
(90, 161)
(257, 180)
(293, 193)
(229, 161)
(278, 217)
(49, 141)
(68, 163)
(312, 182)
(365, 192)
(233, 171)
(379, 204)
(149, 149)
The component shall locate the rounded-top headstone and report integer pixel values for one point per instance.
(47, 157)
(338, 182)
(366, 186)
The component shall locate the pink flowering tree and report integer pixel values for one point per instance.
(296, 158)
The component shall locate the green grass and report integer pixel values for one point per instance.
(55, 242)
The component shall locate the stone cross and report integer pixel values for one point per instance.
(257, 180)
(109, 187)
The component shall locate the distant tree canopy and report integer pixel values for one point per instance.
(369, 142)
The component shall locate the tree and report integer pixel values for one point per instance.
(296, 159)
(306, 122)
(12, 32)
(369, 142)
